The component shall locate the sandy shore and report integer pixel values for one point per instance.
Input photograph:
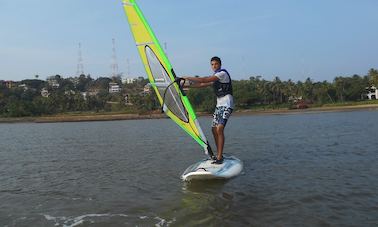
(113, 117)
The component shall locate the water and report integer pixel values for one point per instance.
(316, 169)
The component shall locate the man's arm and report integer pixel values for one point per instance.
(199, 85)
(208, 79)
(201, 81)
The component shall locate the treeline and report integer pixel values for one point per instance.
(87, 94)
(277, 93)
(24, 98)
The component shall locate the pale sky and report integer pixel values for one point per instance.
(291, 39)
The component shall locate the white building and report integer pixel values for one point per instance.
(372, 92)
(74, 80)
(45, 93)
(9, 84)
(114, 88)
(24, 86)
(53, 82)
(147, 88)
(128, 80)
(69, 92)
(90, 93)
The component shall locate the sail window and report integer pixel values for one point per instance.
(172, 100)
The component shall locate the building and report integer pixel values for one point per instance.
(53, 82)
(70, 92)
(127, 100)
(114, 88)
(23, 86)
(147, 88)
(129, 80)
(91, 92)
(45, 93)
(9, 84)
(371, 92)
(74, 80)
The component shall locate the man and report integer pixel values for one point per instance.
(221, 82)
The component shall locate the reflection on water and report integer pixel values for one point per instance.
(202, 203)
(304, 169)
(208, 186)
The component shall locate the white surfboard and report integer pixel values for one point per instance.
(204, 170)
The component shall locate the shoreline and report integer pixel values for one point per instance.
(120, 116)
(323, 109)
(81, 118)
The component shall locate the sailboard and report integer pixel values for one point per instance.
(162, 77)
(205, 170)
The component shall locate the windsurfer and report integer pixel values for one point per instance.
(222, 85)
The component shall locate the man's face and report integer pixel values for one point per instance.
(215, 65)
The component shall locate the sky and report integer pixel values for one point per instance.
(290, 39)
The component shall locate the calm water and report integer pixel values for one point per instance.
(318, 169)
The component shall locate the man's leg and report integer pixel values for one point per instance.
(215, 135)
(218, 129)
(219, 140)
(214, 126)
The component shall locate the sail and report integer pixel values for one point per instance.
(162, 77)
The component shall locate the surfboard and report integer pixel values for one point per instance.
(204, 170)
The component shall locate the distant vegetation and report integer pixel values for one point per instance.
(80, 94)
(23, 98)
(260, 93)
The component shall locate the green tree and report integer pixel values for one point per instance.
(202, 99)
(34, 84)
(355, 86)
(373, 77)
(84, 82)
(340, 88)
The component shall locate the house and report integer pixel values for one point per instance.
(9, 84)
(70, 92)
(127, 100)
(147, 88)
(84, 94)
(53, 82)
(74, 80)
(93, 91)
(90, 93)
(23, 86)
(45, 93)
(129, 80)
(371, 92)
(114, 88)
(298, 102)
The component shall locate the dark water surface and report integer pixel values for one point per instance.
(318, 169)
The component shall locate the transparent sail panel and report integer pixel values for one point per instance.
(162, 81)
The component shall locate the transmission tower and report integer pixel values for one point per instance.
(80, 66)
(114, 64)
(128, 66)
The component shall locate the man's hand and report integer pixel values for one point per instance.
(178, 79)
(181, 82)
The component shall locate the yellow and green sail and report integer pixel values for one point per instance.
(162, 77)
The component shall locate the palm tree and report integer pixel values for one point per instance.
(373, 77)
(339, 85)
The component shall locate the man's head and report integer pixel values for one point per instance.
(216, 63)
